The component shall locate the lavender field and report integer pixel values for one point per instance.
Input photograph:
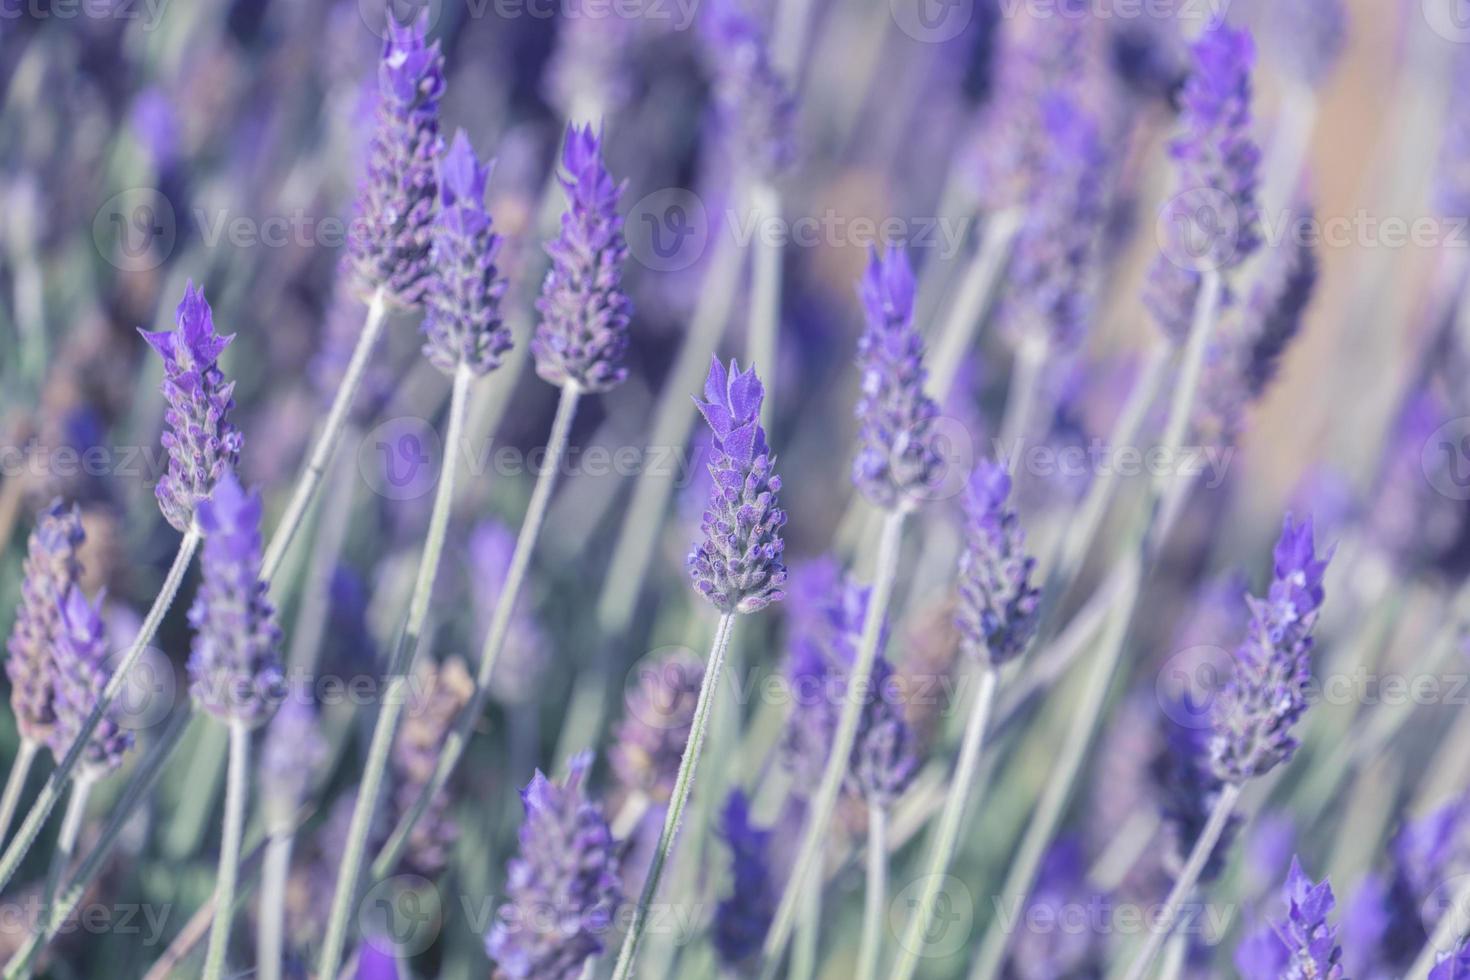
(812, 489)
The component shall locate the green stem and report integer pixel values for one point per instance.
(977, 290)
(683, 785)
(66, 840)
(229, 851)
(763, 332)
(819, 816)
(321, 454)
(1184, 884)
(55, 785)
(947, 831)
(15, 783)
(807, 932)
(876, 894)
(458, 739)
(269, 941)
(396, 695)
(1024, 393)
(1206, 310)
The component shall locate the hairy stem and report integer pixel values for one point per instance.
(229, 851)
(876, 894)
(15, 783)
(395, 696)
(763, 333)
(819, 816)
(50, 794)
(66, 840)
(683, 785)
(458, 739)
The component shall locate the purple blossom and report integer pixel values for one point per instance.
(1045, 954)
(755, 103)
(738, 564)
(1408, 518)
(660, 715)
(1453, 966)
(563, 886)
(1301, 947)
(1309, 36)
(395, 205)
(1188, 789)
(583, 333)
(525, 656)
(998, 604)
(234, 670)
(1262, 701)
(201, 440)
(897, 457)
(51, 570)
(440, 693)
(462, 320)
(743, 917)
(81, 673)
(884, 755)
(293, 755)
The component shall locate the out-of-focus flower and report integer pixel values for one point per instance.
(650, 739)
(1303, 946)
(743, 917)
(1408, 518)
(884, 758)
(80, 664)
(1452, 177)
(1307, 35)
(374, 962)
(234, 669)
(1262, 701)
(590, 66)
(1188, 790)
(395, 203)
(526, 654)
(756, 105)
(462, 320)
(738, 565)
(563, 886)
(1453, 966)
(293, 756)
(1042, 954)
(897, 457)
(583, 332)
(51, 571)
(201, 440)
(440, 692)
(998, 604)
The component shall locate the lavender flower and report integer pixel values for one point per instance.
(1408, 518)
(462, 318)
(51, 570)
(234, 670)
(884, 757)
(1304, 946)
(292, 756)
(583, 332)
(738, 564)
(743, 917)
(1042, 954)
(651, 737)
(754, 101)
(440, 693)
(80, 664)
(1309, 36)
(1453, 966)
(525, 656)
(1259, 705)
(897, 456)
(1188, 790)
(563, 886)
(395, 204)
(998, 604)
(202, 442)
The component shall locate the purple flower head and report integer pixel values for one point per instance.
(1301, 947)
(1262, 701)
(1453, 966)
(375, 962)
(293, 756)
(563, 886)
(526, 654)
(1044, 954)
(583, 333)
(1308, 36)
(897, 458)
(1408, 902)
(462, 320)
(51, 570)
(660, 714)
(1187, 789)
(755, 104)
(742, 917)
(80, 663)
(1051, 276)
(395, 203)
(1408, 518)
(737, 566)
(998, 603)
(440, 693)
(201, 440)
(234, 669)
(884, 754)
(1213, 217)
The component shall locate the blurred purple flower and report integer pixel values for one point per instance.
(649, 741)
(440, 693)
(293, 755)
(743, 917)
(51, 571)
(1066, 951)
(1188, 789)
(525, 656)
(1309, 36)
(81, 672)
(755, 103)
(999, 605)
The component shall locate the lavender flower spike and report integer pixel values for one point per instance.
(652, 735)
(998, 604)
(583, 332)
(738, 564)
(81, 674)
(1303, 946)
(742, 917)
(563, 886)
(51, 569)
(234, 671)
(758, 110)
(462, 322)
(1259, 705)
(201, 440)
(897, 457)
(395, 204)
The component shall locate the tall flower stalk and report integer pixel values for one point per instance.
(737, 567)
(464, 337)
(579, 346)
(998, 618)
(897, 463)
